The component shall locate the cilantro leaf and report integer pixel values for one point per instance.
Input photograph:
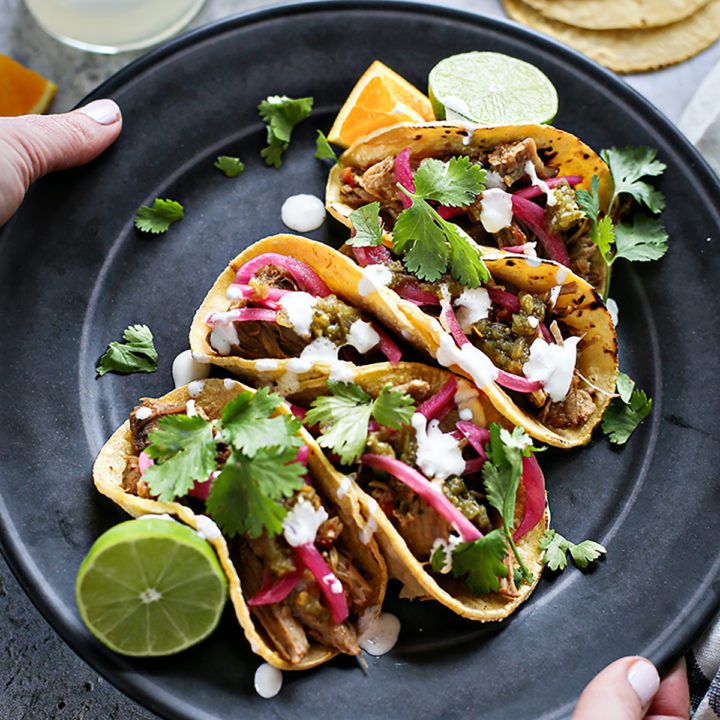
(438, 559)
(466, 264)
(589, 200)
(158, 218)
(501, 475)
(482, 562)
(231, 166)
(456, 182)
(136, 354)
(393, 408)
(344, 416)
(646, 239)
(627, 166)
(185, 449)
(243, 496)
(280, 114)
(420, 240)
(366, 223)
(427, 242)
(604, 237)
(556, 548)
(323, 149)
(626, 412)
(625, 386)
(586, 552)
(247, 423)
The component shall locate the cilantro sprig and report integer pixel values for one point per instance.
(502, 475)
(556, 548)
(281, 114)
(429, 244)
(625, 412)
(643, 238)
(136, 354)
(158, 218)
(260, 469)
(481, 562)
(345, 414)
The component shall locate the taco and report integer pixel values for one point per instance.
(416, 440)
(288, 308)
(532, 173)
(303, 583)
(536, 339)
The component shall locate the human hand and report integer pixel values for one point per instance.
(33, 145)
(631, 689)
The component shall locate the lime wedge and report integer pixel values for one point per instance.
(150, 587)
(488, 88)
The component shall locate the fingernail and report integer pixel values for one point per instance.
(105, 111)
(644, 679)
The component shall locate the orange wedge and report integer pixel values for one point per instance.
(380, 98)
(23, 91)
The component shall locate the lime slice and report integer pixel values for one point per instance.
(490, 88)
(150, 587)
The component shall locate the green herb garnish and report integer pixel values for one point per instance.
(231, 166)
(502, 475)
(323, 149)
(626, 412)
(158, 218)
(136, 354)
(261, 467)
(344, 416)
(556, 548)
(429, 244)
(281, 114)
(642, 239)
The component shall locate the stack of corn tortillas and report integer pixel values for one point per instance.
(625, 35)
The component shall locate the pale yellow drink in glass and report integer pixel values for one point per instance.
(110, 26)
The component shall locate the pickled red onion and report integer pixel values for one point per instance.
(305, 276)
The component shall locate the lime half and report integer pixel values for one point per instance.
(490, 88)
(150, 587)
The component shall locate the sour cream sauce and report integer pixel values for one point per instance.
(303, 212)
(381, 636)
(438, 453)
(268, 680)
(185, 369)
(553, 365)
(496, 210)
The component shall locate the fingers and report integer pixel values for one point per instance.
(33, 145)
(672, 701)
(622, 691)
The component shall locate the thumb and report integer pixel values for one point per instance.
(33, 145)
(622, 691)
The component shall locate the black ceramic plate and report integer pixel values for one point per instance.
(74, 273)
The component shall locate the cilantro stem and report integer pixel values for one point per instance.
(527, 575)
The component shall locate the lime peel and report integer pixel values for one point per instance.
(150, 587)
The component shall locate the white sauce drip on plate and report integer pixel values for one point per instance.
(185, 369)
(381, 636)
(268, 680)
(303, 212)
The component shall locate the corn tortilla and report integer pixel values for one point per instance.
(616, 14)
(630, 51)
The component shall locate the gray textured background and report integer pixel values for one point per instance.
(40, 677)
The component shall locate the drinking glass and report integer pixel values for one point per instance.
(111, 26)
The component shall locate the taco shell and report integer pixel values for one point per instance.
(215, 394)
(402, 564)
(557, 148)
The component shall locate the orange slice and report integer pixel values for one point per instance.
(380, 98)
(22, 90)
